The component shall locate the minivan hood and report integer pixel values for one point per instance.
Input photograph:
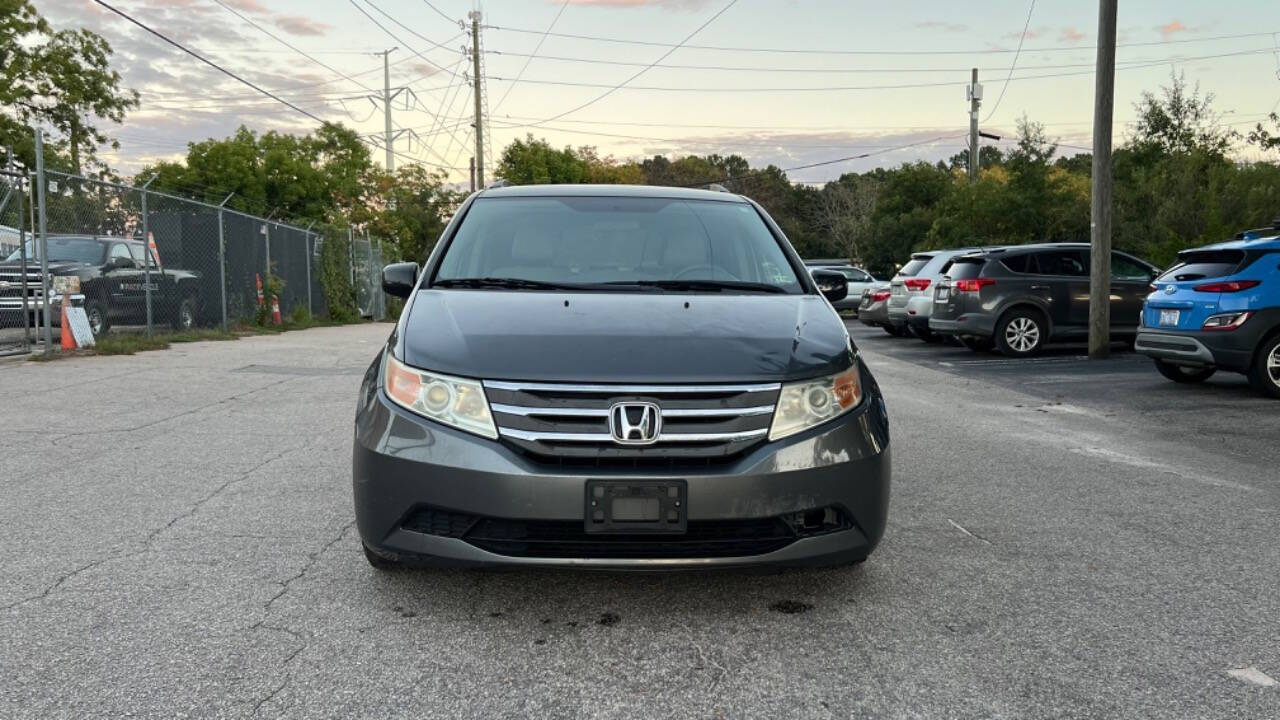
(623, 337)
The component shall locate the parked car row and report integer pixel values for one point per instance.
(1217, 308)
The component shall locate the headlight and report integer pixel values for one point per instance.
(453, 401)
(801, 405)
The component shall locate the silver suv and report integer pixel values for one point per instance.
(911, 290)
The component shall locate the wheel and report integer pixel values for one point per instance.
(895, 330)
(1184, 374)
(378, 562)
(96, 311)
(978, 344)
(1264, 375)
(1021, 333)
(184, 318)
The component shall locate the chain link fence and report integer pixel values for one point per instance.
(19, 273)
(138, 258)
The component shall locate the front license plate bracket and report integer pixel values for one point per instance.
(636, 506)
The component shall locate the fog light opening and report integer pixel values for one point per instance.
(817, 521)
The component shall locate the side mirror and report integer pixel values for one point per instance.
(398, 279)
(120, 263)
(831, 284)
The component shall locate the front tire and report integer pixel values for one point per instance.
(1021, 333)
(1183, 374)
(184, 318)
(1264, 375)
(99, 322)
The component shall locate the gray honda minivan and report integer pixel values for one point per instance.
(618, 377)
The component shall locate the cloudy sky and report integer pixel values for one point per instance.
(789, 82)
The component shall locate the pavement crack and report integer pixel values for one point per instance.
(57, 439)
(312, 559)
(145, 543)
(968, 532)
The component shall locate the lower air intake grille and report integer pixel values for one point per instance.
(444, 523)
(568, 539)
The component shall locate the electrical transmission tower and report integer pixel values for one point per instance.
(386, 100)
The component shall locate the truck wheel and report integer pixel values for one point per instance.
(184, 318)
(1264, 375)
(1183, 374)
(96, 311)
(1021, 333)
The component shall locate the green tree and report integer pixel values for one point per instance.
(60, 80)
(1179, 120)
(533, 161)
(1266, 140)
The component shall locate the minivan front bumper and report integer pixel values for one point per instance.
(405, 466)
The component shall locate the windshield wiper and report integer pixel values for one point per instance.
(705, 285)
(505, 283)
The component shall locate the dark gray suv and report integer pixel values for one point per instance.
(620, 377)
(1018, 299)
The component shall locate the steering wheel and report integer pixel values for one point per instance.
(714, 269)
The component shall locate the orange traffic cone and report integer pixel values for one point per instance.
(68, 338)
(275, 310)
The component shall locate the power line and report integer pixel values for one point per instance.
(392, 35)
(529, 58)
(1014, 64)
(807, 51)
(832, 88)
(645, 69)
(440, 12)
(225, 71)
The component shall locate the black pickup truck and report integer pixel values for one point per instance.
(112, 284)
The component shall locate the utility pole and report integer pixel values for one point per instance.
(476, 91)
(386, 108)
(975, 102)
(473, 173)
(1100, 227)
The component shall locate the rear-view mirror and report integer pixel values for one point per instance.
(831, 284)
(398, 279)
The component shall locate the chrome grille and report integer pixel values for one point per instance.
(559, 422)
(11, 288)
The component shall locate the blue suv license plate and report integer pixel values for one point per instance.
(1169, 318)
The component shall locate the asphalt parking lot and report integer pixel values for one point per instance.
(1066, 539)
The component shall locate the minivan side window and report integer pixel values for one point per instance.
(1069, 263)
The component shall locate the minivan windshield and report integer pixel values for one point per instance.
(616, 243)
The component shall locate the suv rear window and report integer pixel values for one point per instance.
(914, 265)
(589, 240)
(963, 268)
(1201, 264)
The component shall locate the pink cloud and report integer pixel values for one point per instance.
(939, 25)
(300, 25)
(666, 4)
(1170, 29)
(1071, 36)
(249, 6)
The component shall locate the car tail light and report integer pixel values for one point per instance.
(917, 284)
(880, 296)
(1227, 287)
(972, 284)
(1225, 321)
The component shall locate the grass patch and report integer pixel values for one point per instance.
(118, 344)
(200, 335)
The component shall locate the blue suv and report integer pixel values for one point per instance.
(1218, 308)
